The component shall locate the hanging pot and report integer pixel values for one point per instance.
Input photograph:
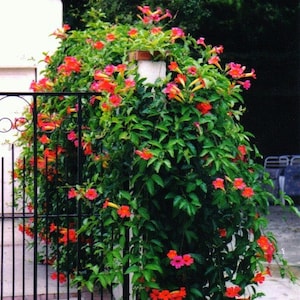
(148, 67)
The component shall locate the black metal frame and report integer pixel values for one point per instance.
(40, 287)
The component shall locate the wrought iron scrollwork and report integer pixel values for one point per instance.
(13, 121)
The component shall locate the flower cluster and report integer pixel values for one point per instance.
(61, 33)
(183, 87)
(70, 64)
(69, 235)
(178, 261)
(144, 153)
(112, 90)
(122, 210)
(90, 194)
(237, 184)
(168, 295)
(27, 229)
(61, 277)
(260, 276)
(233, 291)
(43, 85)
(150, 16)
(267, 247)
(48, 122)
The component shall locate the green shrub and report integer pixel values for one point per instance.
(167, 164)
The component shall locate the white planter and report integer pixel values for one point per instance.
(151, 70)
(148, 67)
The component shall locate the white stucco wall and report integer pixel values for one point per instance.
(25, 26)
(25, 29)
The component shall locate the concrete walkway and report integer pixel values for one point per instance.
(20, 259)
(286, 228)
(15, 284)
(284, 225)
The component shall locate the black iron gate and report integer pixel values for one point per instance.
(26, 269)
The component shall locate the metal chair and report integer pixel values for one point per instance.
(275, 166)
(295, 160)
(292, 179)
(276, 162)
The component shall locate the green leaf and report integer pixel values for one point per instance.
(95, 269)
(194, 198)
(162, 137)
(132, 269)
(144, 213)
(202, 185)
(148, 274)
(150, 186)
(125, 194)
(153, 267)
(167, 163)
(171, 143)
(197, 293)
(156, 144)
(108, 222)
(185, 118)
(134, 138)
(157, 165)
(171, 152)
(178, 200)
(124, 135)
(162, 127)
(158, 180)
(191, 186)
(157, 243)
(89, 285)
(153, 285)
(136, 277)
(140, 127)
(104, 280)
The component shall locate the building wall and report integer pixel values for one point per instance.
(25, 28)
(25, 33)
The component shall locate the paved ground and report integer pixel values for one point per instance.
(284, 225)
(286, 228)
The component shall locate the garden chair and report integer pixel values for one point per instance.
(295, 160)
(275, 166)
(292, 179)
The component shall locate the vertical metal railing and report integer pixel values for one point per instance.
(2, 228)
(23, 223)
(32, 264)
(35, 197)
(79, 177)
(13, 221)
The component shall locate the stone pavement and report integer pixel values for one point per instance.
(284, 225)
(286, 228)
(20, 259)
